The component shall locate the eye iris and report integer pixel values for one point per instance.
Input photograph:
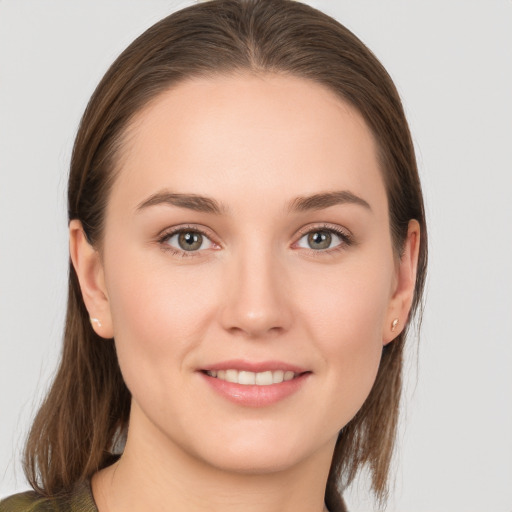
(190, 240)
(319, 240)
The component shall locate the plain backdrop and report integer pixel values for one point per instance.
(452, 63)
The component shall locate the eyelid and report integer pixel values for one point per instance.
(323, 226)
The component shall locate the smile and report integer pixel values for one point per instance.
(247, 378)
(255, 384)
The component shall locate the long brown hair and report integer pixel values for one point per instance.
(88, 403)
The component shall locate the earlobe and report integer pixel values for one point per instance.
(401, 301)
(89, 270)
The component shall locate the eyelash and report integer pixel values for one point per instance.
(345, 237)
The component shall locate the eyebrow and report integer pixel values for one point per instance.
(325, 200)
(209, 205)
(189, 201)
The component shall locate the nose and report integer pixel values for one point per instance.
(257, 300)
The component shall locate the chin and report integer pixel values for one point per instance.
(258, 462)
(266, 453)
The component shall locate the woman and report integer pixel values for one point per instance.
(237, 356)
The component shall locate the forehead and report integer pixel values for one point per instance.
(268, 135)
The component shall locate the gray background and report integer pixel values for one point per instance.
(451, 61)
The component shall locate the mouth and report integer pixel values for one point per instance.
(248, 378)
(255, 384)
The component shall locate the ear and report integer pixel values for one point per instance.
(89, 269)
(404, 286)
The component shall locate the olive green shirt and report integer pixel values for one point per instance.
(79, 500)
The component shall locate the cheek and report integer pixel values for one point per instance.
(159, 315)
(347, 305)
(345, 315)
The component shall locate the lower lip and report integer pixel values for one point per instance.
(256, 396)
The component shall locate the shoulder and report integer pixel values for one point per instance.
(79, 500)
(26, 502)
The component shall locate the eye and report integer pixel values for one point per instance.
(323, 239)
(187, 240)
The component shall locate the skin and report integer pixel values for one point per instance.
(255, 290)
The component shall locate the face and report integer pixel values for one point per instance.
(248, 269)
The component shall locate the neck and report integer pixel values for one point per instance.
(159, 475)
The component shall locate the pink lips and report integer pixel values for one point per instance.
(253, 395)
(249, 366)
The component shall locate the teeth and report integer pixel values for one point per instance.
(250, 378)
(231, 375)
(288, 375)
(277, 376)
(264, 378)
(246, 377)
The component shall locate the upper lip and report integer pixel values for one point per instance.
(252, 366)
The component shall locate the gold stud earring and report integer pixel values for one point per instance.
(95, 321)
(394, 323)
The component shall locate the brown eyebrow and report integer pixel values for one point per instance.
(209, 205)
(325, 200)
(190, 201)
